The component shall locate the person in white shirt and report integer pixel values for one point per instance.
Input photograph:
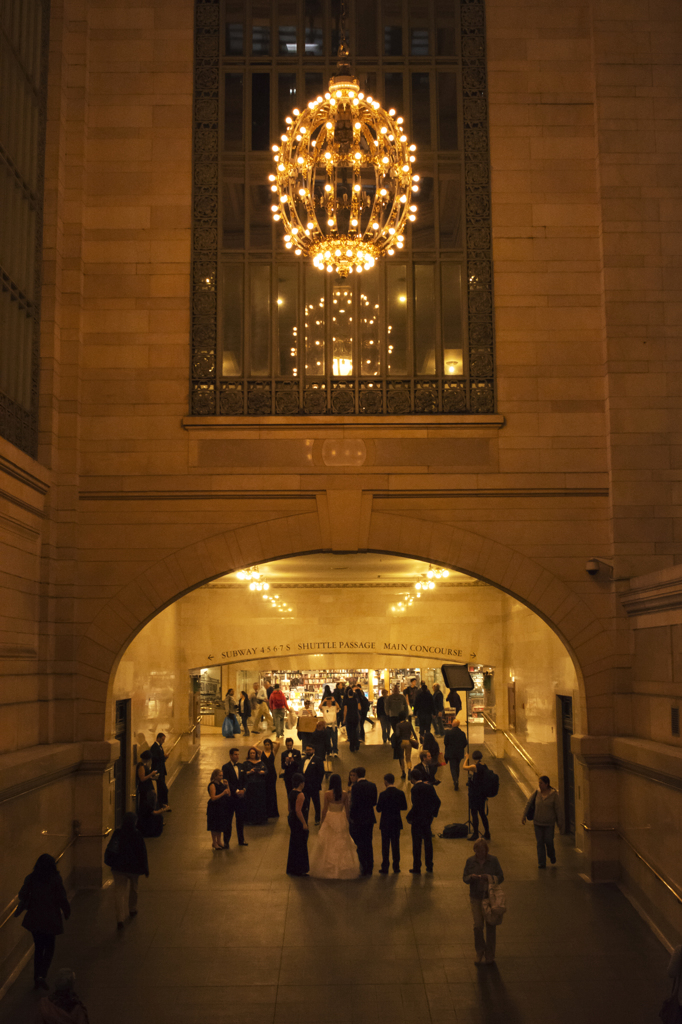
(330, 710)
(262, 710)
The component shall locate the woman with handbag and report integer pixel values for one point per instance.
(478, 871)
(43, 898)
(544, 809)
(126, 855)
(405, 741)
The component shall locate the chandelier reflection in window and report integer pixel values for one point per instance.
(344, 180)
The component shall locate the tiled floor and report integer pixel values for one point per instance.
(228, 937)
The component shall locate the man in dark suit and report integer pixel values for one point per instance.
(454, 743)
(391, 802)
(425, 807)
(313, 773)
(235, 777)
(291, 763)
(159, 765)
(363, 800)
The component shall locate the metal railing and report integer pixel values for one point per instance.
(640, 856)
(515, 744)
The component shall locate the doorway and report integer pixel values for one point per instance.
(121, 765)
(565, 710)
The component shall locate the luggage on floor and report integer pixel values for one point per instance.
(455, 831)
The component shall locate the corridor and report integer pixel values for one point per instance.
(228, 938)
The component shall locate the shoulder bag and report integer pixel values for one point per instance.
(530, 813)
(495, 903)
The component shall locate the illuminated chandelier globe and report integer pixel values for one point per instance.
(344, 181)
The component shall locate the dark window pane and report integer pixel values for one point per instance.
(288, 28)
(366, 28)
(232, 296)
(425, 318)
(447, 111)
(450, 206)
(234, 29)
(260, 217)
(314, 22)
(397, 343)
(260, 30)
(393, 91)
(260, 111)
(287, 320)
(368, 82)
(446, 30)
(286, 96)
(233, 207)
(419, 28)
(421, 109)
(451, 314)
(314, 85)
(234, 111)
(392, 11)
(423, 233)
(315, 320)
(260, 320)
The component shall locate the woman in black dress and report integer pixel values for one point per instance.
(297, 861)
(269, 749)
(351, 720)
(216, 808)
(255, 811)
(146, 794)
(43, 898)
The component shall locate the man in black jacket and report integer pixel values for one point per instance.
(313, 773)
(235, 777)
(159, 757)
(291, 763)
(363, 800)
(425, 807)
(389, 805)
(438, 709)
(455, 743)
(424, 709)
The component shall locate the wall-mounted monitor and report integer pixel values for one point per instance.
(456, 677)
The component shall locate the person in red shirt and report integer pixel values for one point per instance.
(279, 707)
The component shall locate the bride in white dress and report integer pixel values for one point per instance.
(334, 854)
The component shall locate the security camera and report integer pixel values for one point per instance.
(592, 566)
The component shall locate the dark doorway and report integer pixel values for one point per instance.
(565, 716)
(121, 766)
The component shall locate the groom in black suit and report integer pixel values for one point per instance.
(363, 800)
(312, 771)
(235, 777)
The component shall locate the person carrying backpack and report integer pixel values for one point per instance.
(482, 784)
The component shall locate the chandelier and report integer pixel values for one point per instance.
(254, 576)
(426, 579)
(343, 184)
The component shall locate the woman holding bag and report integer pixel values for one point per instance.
(478, 871)
(544, 809)
(43, 898)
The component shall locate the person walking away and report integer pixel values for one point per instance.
(454, 743)
(384, 720)
(262, 710)
(389, 805)
(231, 709)
(43, 899)
(424, 709)
(477, 795)
(159, 758)
(313, 774)
(363, 800)
(268, 753)
(235, 808)
(63, 1006)
(425, 807)
(329, 710)
(351, 719)
(297, 861)
(279, 707)
(477, 872)
(404, 742)
(126, 855)
(291, 763)
(364, 706)
(547, 810)
(439, 710)
(244, 711)
(396, 705)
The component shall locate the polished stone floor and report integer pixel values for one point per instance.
(228, 938)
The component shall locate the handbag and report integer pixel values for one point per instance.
(413, 743)
(228, 728)
(495, 903)
(530, 813)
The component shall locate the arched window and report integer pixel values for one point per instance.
(271, 334)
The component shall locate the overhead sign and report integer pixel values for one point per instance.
(338, 646)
